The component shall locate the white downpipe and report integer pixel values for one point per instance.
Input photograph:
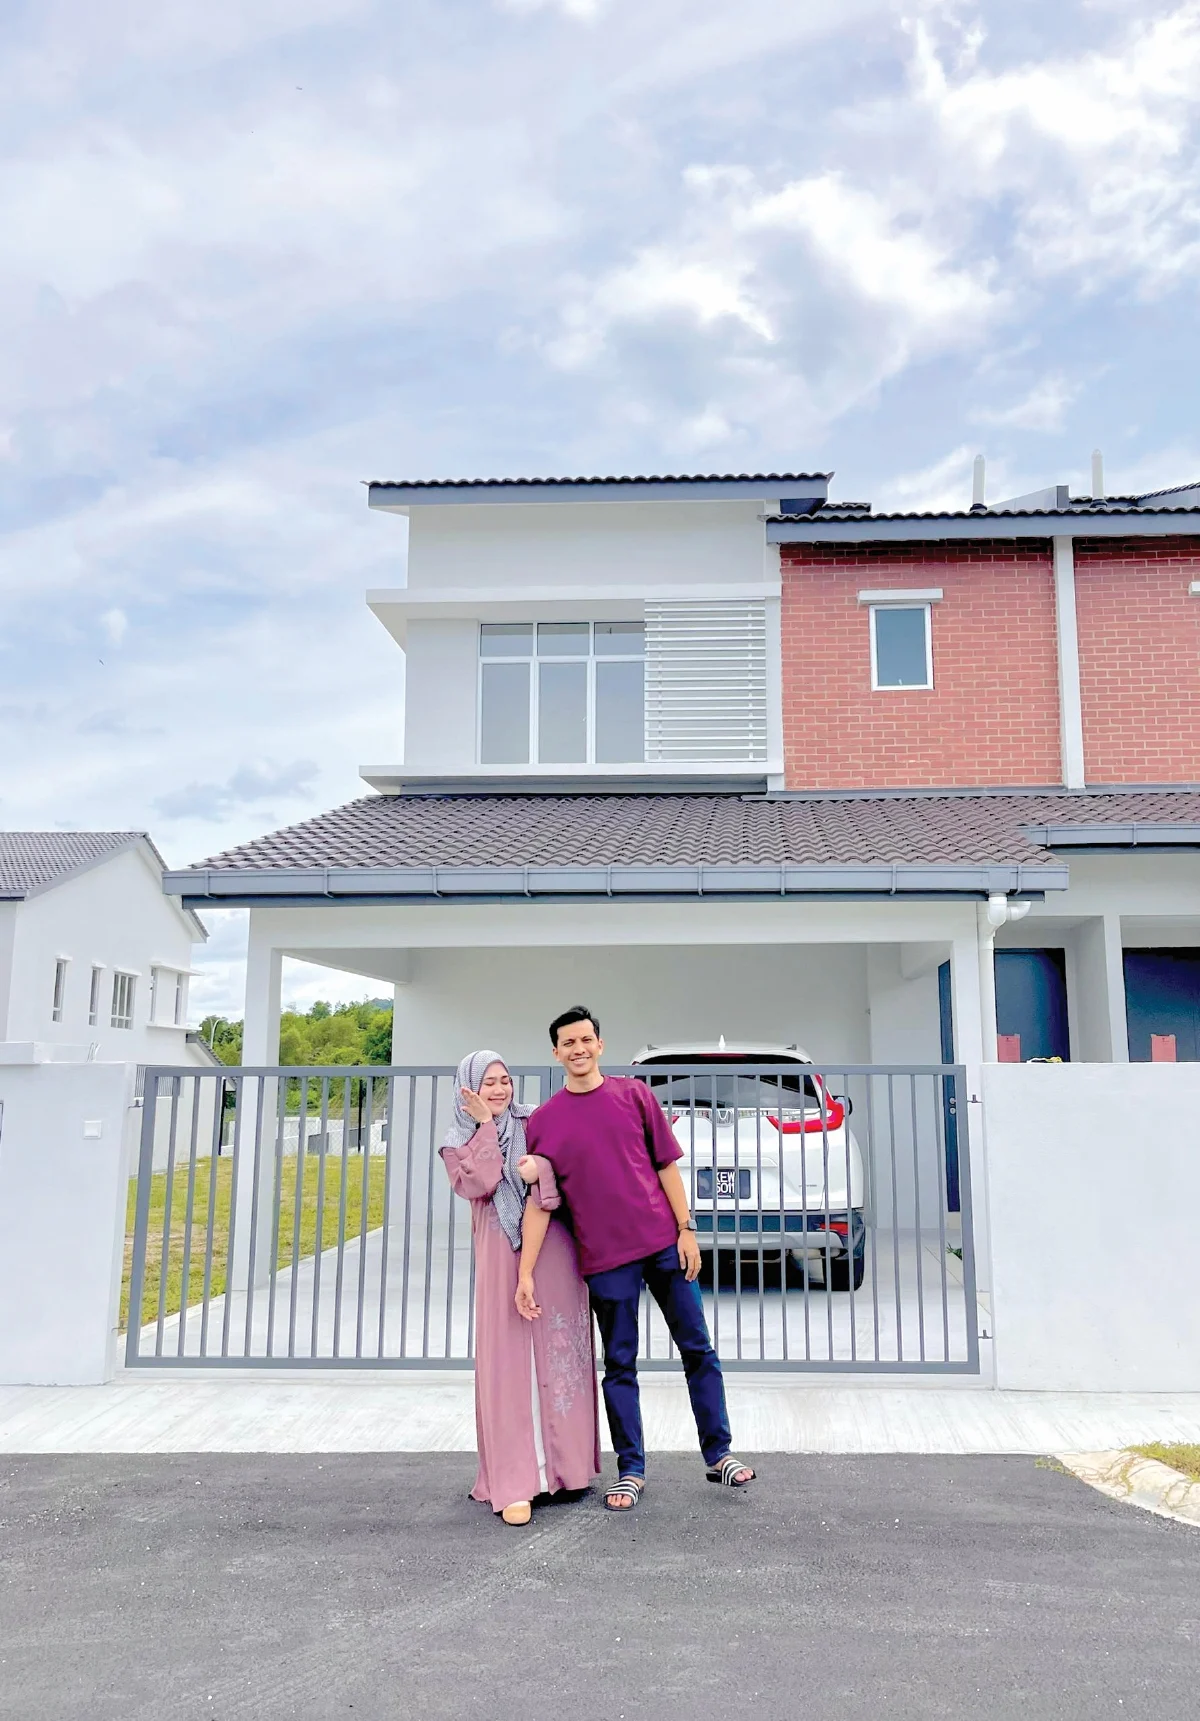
(1070, 699)
(997, 912)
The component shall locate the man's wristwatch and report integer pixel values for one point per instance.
(688, 1225)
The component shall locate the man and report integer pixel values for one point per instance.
(615, 1159)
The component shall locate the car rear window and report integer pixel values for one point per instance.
(735, 1081)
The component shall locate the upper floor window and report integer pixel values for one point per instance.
(180, 999)
(124, 986)
(901, 646)
(94, 997)
(562, 693)
(60, 989)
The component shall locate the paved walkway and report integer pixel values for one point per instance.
(338, 1587)
(397, 1411)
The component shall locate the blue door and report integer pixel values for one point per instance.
(1031, 1001)
(1162, 996)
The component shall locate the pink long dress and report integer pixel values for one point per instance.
(536, 1414)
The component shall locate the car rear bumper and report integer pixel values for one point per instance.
(796, 1231)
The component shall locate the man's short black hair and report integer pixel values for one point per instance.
(577, 1013)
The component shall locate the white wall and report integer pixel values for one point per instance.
(440, 691)
(115, 915)
(459, 1000)
(8, 928)
(62, 1220)
(587, 545)
(1094, 1178)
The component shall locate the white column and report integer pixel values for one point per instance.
(264, 981)
(1070, 701)
(966, 1004)
(1101, 1027)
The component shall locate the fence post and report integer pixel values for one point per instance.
(64, 1177)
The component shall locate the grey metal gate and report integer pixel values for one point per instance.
(300, 1218)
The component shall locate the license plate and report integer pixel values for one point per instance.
(729, 1184)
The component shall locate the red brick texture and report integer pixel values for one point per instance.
(1139, 659)
(991, 718)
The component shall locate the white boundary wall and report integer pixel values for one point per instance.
(1094, 1186)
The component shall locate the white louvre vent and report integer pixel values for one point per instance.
(706, 682)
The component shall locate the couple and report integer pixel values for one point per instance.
(601, 1154)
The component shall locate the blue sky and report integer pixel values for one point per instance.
(255, 253)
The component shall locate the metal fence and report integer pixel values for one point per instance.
(303, 1218)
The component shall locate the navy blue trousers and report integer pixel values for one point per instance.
(616, 1295)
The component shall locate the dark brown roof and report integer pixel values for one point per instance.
(638, 478)
(649, 830)
(31, 860)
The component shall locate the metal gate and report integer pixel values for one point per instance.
(300, 1218)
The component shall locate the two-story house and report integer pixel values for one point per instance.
(718, 755)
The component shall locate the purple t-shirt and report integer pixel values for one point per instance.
(606, 1148)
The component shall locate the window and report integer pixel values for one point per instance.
(94, 997)
(155, 988)
(562, 693)
(901, 646)
(124, 986)
(60, 987)
(180, 999)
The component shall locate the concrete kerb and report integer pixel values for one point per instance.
(1138, 1481)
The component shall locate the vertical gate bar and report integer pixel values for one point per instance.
(450, 1272)
(737, 1218)
(319, 1234)
(828, 1269)
(938, 1099)
(891, 1092)
(408, 1161)
(433, 1087)
(141, 1223)
(339, 1277)
(712, 1160)
(874, 1212)
(285, 1083)
(785, 1253)
(210, 1229)
(297, 1209)
(966, 1215)
(762, 1309)
(912, 1090)
(168, 1194)
(851, 1248)
(364, 1171)
(189, 1211)
(252, 1253)
(390, 1103)
(804, 1287)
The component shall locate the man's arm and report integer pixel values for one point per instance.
(676, 1194)
(534, 1226)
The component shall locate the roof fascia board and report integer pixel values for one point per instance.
(1133, 835)
(326, 885)
(582, 780)
(398, 498)
(1172, 524)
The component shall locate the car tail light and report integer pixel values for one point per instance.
(833, 1117)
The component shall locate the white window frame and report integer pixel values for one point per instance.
(58, 998)
(925, 686)
(181, 990)
(124, 987)
(587, 657)
(155, 989)
(94, 994)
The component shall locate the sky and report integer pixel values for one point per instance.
(256, 252)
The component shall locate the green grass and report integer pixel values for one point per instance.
(214, 1181)
(1179, 1457)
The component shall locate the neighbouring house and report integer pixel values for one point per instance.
(94, 959)
(720, 755)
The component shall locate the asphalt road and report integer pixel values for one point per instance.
(265, 1587)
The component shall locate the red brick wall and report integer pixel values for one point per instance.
(991, 718)
(1139, 659)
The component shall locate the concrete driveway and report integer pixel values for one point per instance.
(240, 1586)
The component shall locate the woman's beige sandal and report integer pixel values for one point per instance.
(626, 1489)
(730, 1472)
(519, 1513)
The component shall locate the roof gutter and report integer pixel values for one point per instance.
(922, 528)
(289, 886)
(1113, 836)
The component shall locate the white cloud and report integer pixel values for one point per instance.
(584, 10)
(1042, 408)
(115, 624)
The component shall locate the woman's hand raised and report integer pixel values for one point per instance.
(475, 1106)
(528, 1168)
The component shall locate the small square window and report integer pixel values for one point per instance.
(901, 647)
(563, 638)
(506, 639)
(620, 639)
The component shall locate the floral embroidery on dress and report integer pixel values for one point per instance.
(568, 1356)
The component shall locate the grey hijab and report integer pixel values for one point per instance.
(511, 1192)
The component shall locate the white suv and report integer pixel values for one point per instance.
(770, 1160)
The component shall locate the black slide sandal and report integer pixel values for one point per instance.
(726, 1472)
(624, 1488)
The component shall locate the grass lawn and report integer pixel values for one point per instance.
(1180, 1457)
(204, 1191)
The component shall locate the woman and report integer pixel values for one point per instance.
(535, 1381)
